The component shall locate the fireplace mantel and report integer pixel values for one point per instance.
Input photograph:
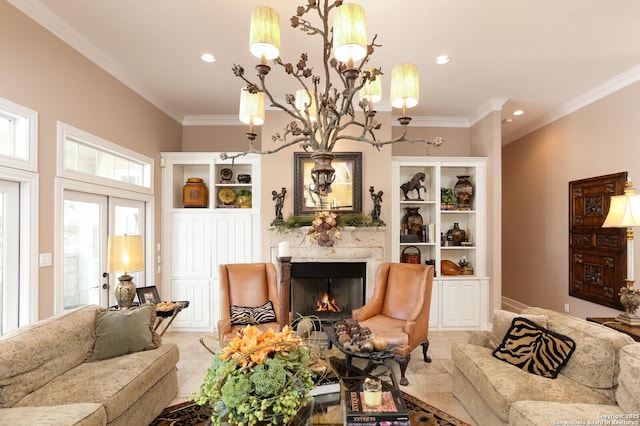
(358, 244)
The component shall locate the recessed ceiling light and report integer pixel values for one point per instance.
(443, 59)
(208, 57)
(518, 112)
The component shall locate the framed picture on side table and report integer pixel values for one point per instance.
(148, 295)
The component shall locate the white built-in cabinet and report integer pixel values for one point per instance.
(196, 240)
(458, 302)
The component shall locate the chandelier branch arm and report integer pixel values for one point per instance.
(253, 150)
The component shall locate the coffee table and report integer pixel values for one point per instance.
(374, 359)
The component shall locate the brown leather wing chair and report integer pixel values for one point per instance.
(399, 309)
(249, 285)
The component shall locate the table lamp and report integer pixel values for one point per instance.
(125, 254)
(624, 212)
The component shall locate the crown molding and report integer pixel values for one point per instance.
(427, 121)
(59, 28)
(605, 89)
(489, 106)
(212, 120)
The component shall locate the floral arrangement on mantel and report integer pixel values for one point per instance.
(261, 376)
(324, 227)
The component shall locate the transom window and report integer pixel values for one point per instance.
(18, 136)
(85, 156)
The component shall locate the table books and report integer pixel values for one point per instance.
(392, 411)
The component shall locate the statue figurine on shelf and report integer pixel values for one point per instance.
(415, 184)
(279, 199)
(377, 206)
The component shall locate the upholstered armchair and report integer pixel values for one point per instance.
(247, 285)
(399, 309)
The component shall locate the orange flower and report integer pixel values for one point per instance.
(253, 345)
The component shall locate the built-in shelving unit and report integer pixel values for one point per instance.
(196, 240)
(458, 301)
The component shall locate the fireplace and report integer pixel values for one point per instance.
(328, 290)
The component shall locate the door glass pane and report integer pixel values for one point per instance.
(81, 253)
(9, 258)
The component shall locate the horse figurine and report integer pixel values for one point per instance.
(413, 185)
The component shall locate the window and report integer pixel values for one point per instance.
(18, 136)
(86, 157)
(18, 216)
(103, 189)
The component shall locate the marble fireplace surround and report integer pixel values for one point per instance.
(358, 244)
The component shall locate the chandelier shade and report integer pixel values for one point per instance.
(371, 92)
(349, 33)
(251, 108)
(306, 105)
(405, 90)
(264, 36)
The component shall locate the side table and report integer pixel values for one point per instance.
(632, 331)
(162, 315)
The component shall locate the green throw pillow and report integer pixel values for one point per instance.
(124, 332)
(535, 349)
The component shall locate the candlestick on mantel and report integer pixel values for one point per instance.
(284, 250)
(285, 288)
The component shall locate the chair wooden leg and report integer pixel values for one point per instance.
(403, 362)
(425, 348)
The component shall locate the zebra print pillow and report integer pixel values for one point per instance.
(535, 349)
(242, 315)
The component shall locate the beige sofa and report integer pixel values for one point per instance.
(602, 378)
(48, 375)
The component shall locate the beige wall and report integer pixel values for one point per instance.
(217, 138)
(41, 72)
(486, 141)
(599, 139)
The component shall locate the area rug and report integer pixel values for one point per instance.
(421, 413)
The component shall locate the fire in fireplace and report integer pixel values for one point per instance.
(328, 290)
(327, 304)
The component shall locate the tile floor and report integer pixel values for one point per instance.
(428, 382)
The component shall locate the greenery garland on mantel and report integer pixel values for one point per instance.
(357, 220)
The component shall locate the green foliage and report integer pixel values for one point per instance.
(272, 391)
(269, 378)
(346, 219)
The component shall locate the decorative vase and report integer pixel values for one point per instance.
(413, 222)
(456, 236)
(195, 193)
(244, 178)
(463, 191)
(125, 291)
(244, 201)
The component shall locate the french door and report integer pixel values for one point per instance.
(89, 219)
(9, 255)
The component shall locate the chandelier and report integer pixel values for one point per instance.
(322, 110)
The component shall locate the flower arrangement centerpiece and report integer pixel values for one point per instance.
(324, 227)
(262, 376)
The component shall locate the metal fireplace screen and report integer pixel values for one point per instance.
(327, 290)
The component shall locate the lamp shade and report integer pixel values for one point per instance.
(404, 86)
(125, 253)
(303, 102)
(371, 91)
(349, 33)
(264, 37)
(251, 107)
(624, 211)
